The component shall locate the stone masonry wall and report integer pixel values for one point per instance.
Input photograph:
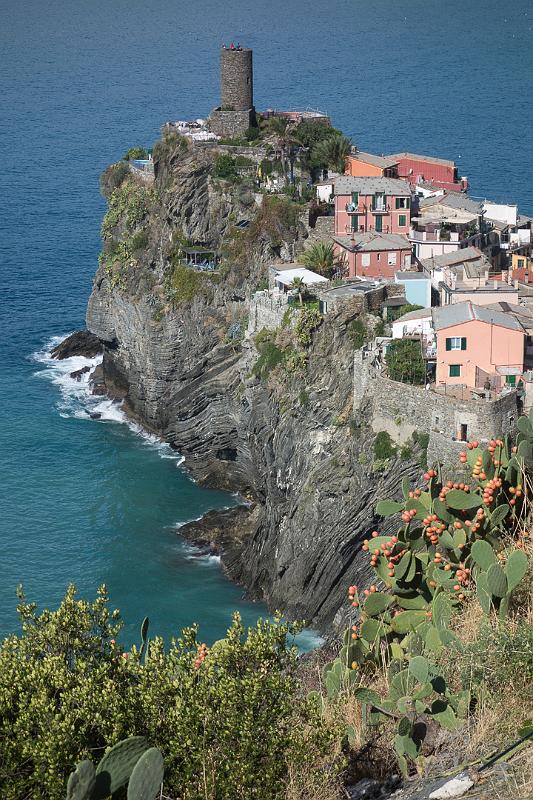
(266, 312)
(229, 124)
(236, 79)
(401, 409)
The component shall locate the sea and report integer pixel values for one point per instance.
(97, 501)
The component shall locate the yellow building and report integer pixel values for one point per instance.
(521, 261)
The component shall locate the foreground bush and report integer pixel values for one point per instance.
(228, 720)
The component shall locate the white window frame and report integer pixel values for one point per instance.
(453, 341)
(392, 259)
(365, 259)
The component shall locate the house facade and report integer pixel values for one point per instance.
(364, 204)
(477, 347)
(374, 255)
(417, 287)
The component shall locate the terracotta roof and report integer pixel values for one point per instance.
(345, 184)
(377, 161)
(452, 258)
(457, 313)
(430, 159)
(372, 241)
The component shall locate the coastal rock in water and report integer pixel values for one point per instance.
(79, 372)
(80, 343)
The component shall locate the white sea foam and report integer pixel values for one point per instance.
(77, 401)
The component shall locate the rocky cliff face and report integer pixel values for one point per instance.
(286, 439)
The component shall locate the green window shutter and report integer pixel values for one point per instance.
(448, 344)
(408, 202)
(402, 220)
(455, 370)
(355, 198)
(463, 342)
(398, 202)
(511, 380)
(379, 224)
(355, 222)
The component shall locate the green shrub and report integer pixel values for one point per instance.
(136, 152)
(303, 397)
(307, 321)
(404, 361)
(113, 177)
(383, 446)
(270, 357)
(185, 284)
(139, 240)
(228, 719)
(358, 333)
(225, 167)
(252, 134)
(499, 657)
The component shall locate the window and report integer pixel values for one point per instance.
(510, 380)
(355, 198)
(379, 224)
(402, 220)
(379, 201)
(392, 260)
(520, 263)
(365, 260)
(456, 343)
(455, 371)
(402, 202)
(354, 222)
(407, 259)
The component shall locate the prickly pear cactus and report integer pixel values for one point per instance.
(147, 776)
(115, 768)
(81, 782)
(452, 544)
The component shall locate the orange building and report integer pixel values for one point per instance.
(366, 165)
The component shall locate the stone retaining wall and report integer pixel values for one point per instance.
(266, 311)
(401, 409)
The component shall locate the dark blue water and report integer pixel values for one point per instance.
(93, 502)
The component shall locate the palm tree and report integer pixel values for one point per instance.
(286, 142)
(298, 284)
(332, 151)
(322, 258)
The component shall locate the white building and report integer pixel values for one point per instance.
(415, 323)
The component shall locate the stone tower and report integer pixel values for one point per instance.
(236, 112)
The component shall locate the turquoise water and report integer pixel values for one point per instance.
(94, 502)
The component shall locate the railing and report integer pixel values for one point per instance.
(381, 208)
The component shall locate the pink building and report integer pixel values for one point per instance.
(477, 347)
(425, 169)
(377, 204)
(374, 255)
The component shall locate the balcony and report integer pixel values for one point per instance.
(380, 208)
(352, 209)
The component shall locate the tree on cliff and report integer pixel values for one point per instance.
(322, 258)
(405, 363)
(299, 285)
(331, 153)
